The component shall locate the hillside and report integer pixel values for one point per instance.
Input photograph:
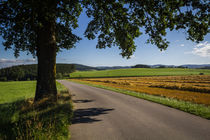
(84, 67)
(139, 72)
(29, 72)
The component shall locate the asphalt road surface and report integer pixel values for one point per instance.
(106, 115)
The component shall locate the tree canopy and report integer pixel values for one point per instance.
(43, 27)
(113, 22)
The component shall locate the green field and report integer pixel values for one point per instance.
(13, 91)
(23, 119)
(139, 72)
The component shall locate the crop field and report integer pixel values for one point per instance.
(132, 72)
(192, 88)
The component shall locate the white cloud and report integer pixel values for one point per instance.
(2, 60)
(132, 56)
(11, 62)
(182, 45)
(202, 49)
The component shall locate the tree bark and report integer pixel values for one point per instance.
(46, 54)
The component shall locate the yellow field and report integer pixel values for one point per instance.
(195, 89)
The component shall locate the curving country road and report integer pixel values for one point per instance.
(106, 115)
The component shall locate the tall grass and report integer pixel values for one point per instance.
(22, 119)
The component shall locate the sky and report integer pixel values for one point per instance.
(179, 52)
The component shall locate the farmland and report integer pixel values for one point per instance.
(139, 72)
(192, 88)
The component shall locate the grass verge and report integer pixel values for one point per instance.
(22, 119)
(196, 109)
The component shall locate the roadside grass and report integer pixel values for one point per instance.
(196, 109)
(138, 72)
(22, 119)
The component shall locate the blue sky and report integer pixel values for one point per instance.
(180, 51)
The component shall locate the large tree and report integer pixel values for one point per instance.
(43, 27)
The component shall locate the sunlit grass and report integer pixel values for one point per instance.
(139, 72)
(22, 119)
(16, 90)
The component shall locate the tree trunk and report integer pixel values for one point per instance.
(46, 54)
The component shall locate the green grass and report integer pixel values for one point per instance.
(196, 109)
(21, 119)
(139, 72)
(13, 91)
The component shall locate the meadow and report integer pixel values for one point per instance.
(184, 89)
(133, 72)
(13, 91)
(22, 119)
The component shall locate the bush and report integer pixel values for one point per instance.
(3, 78)
(59, 76)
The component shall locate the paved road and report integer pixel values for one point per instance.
(105, 115)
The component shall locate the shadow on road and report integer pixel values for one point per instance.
(82, 101)
(85, 115)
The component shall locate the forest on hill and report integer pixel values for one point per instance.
(29, 72)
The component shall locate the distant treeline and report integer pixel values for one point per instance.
(141, 66)
(204, 66)
(29, 72)
(207, 67)
(158, 66)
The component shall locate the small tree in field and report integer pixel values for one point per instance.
(59, 75)
(43, 27)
